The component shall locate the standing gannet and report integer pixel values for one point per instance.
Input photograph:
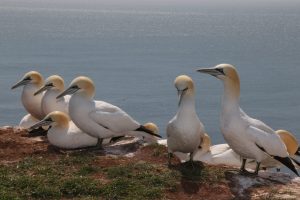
(185, 130)
(63, 132)
(32, 81)
(53, 86)
(98, 118)
(248, 137)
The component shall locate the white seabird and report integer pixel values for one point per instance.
(222, 154)
(53, 86)
(32, 81)
(63, 133)
(185, 130)
(248, 137)
(98, 118)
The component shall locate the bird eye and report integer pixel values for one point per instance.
(75, 87)
(50, 84)
(220, 70)
(28, 78)
(49, 119)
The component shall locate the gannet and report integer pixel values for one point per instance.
(64, 133)
(184, 130)
(32, 81)
(248, 137)
(53, 86)
(98, 118)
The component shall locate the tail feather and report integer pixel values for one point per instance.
(144, 129)
(287, 162)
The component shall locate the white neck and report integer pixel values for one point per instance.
(187, 105)
(231, 97)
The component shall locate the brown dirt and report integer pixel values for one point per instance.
(15, 145)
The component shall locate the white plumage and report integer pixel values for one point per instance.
(53, 86)
(185, 130)
(98, 118)
(248, 137)
(63, 132)
(31, 82)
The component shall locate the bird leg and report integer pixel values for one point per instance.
(242, 169)
(257, 168)
(99, 143)
(191, 160)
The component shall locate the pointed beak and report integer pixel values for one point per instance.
(181, 93)
(210, 71)
(45, 87)
(20, 83)
(70, 90)
(44, 122)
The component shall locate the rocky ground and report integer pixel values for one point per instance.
(30, 168)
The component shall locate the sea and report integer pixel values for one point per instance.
(134, 53)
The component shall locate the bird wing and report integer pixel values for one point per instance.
(113, 118)
(270, 143)
(257, 123)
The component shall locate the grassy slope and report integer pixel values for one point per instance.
(86, 175)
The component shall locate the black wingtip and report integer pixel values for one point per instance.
(144, 129)
(287, 162)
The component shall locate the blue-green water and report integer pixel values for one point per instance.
(134, 54)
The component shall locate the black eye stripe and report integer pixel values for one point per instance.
(75, 87)
(220, 70)
(27, 78)
(49, 84)
(49, 119)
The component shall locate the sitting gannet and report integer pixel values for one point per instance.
(222, 154)
(32, 81)
(53, 86)
(63, 133)
(248, 137)
(185, 130)
(98, 118)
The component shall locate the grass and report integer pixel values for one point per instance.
(133, 181)
(84, 175)
(75, 176)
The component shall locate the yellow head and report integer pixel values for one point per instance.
(205, 143)
(56, 118)
(185, 86)
(228, 74)
(33, 77)
(82, 85)
(54, 81)
(289, 140)
(152, 127)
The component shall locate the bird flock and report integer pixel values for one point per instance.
(72, 118)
